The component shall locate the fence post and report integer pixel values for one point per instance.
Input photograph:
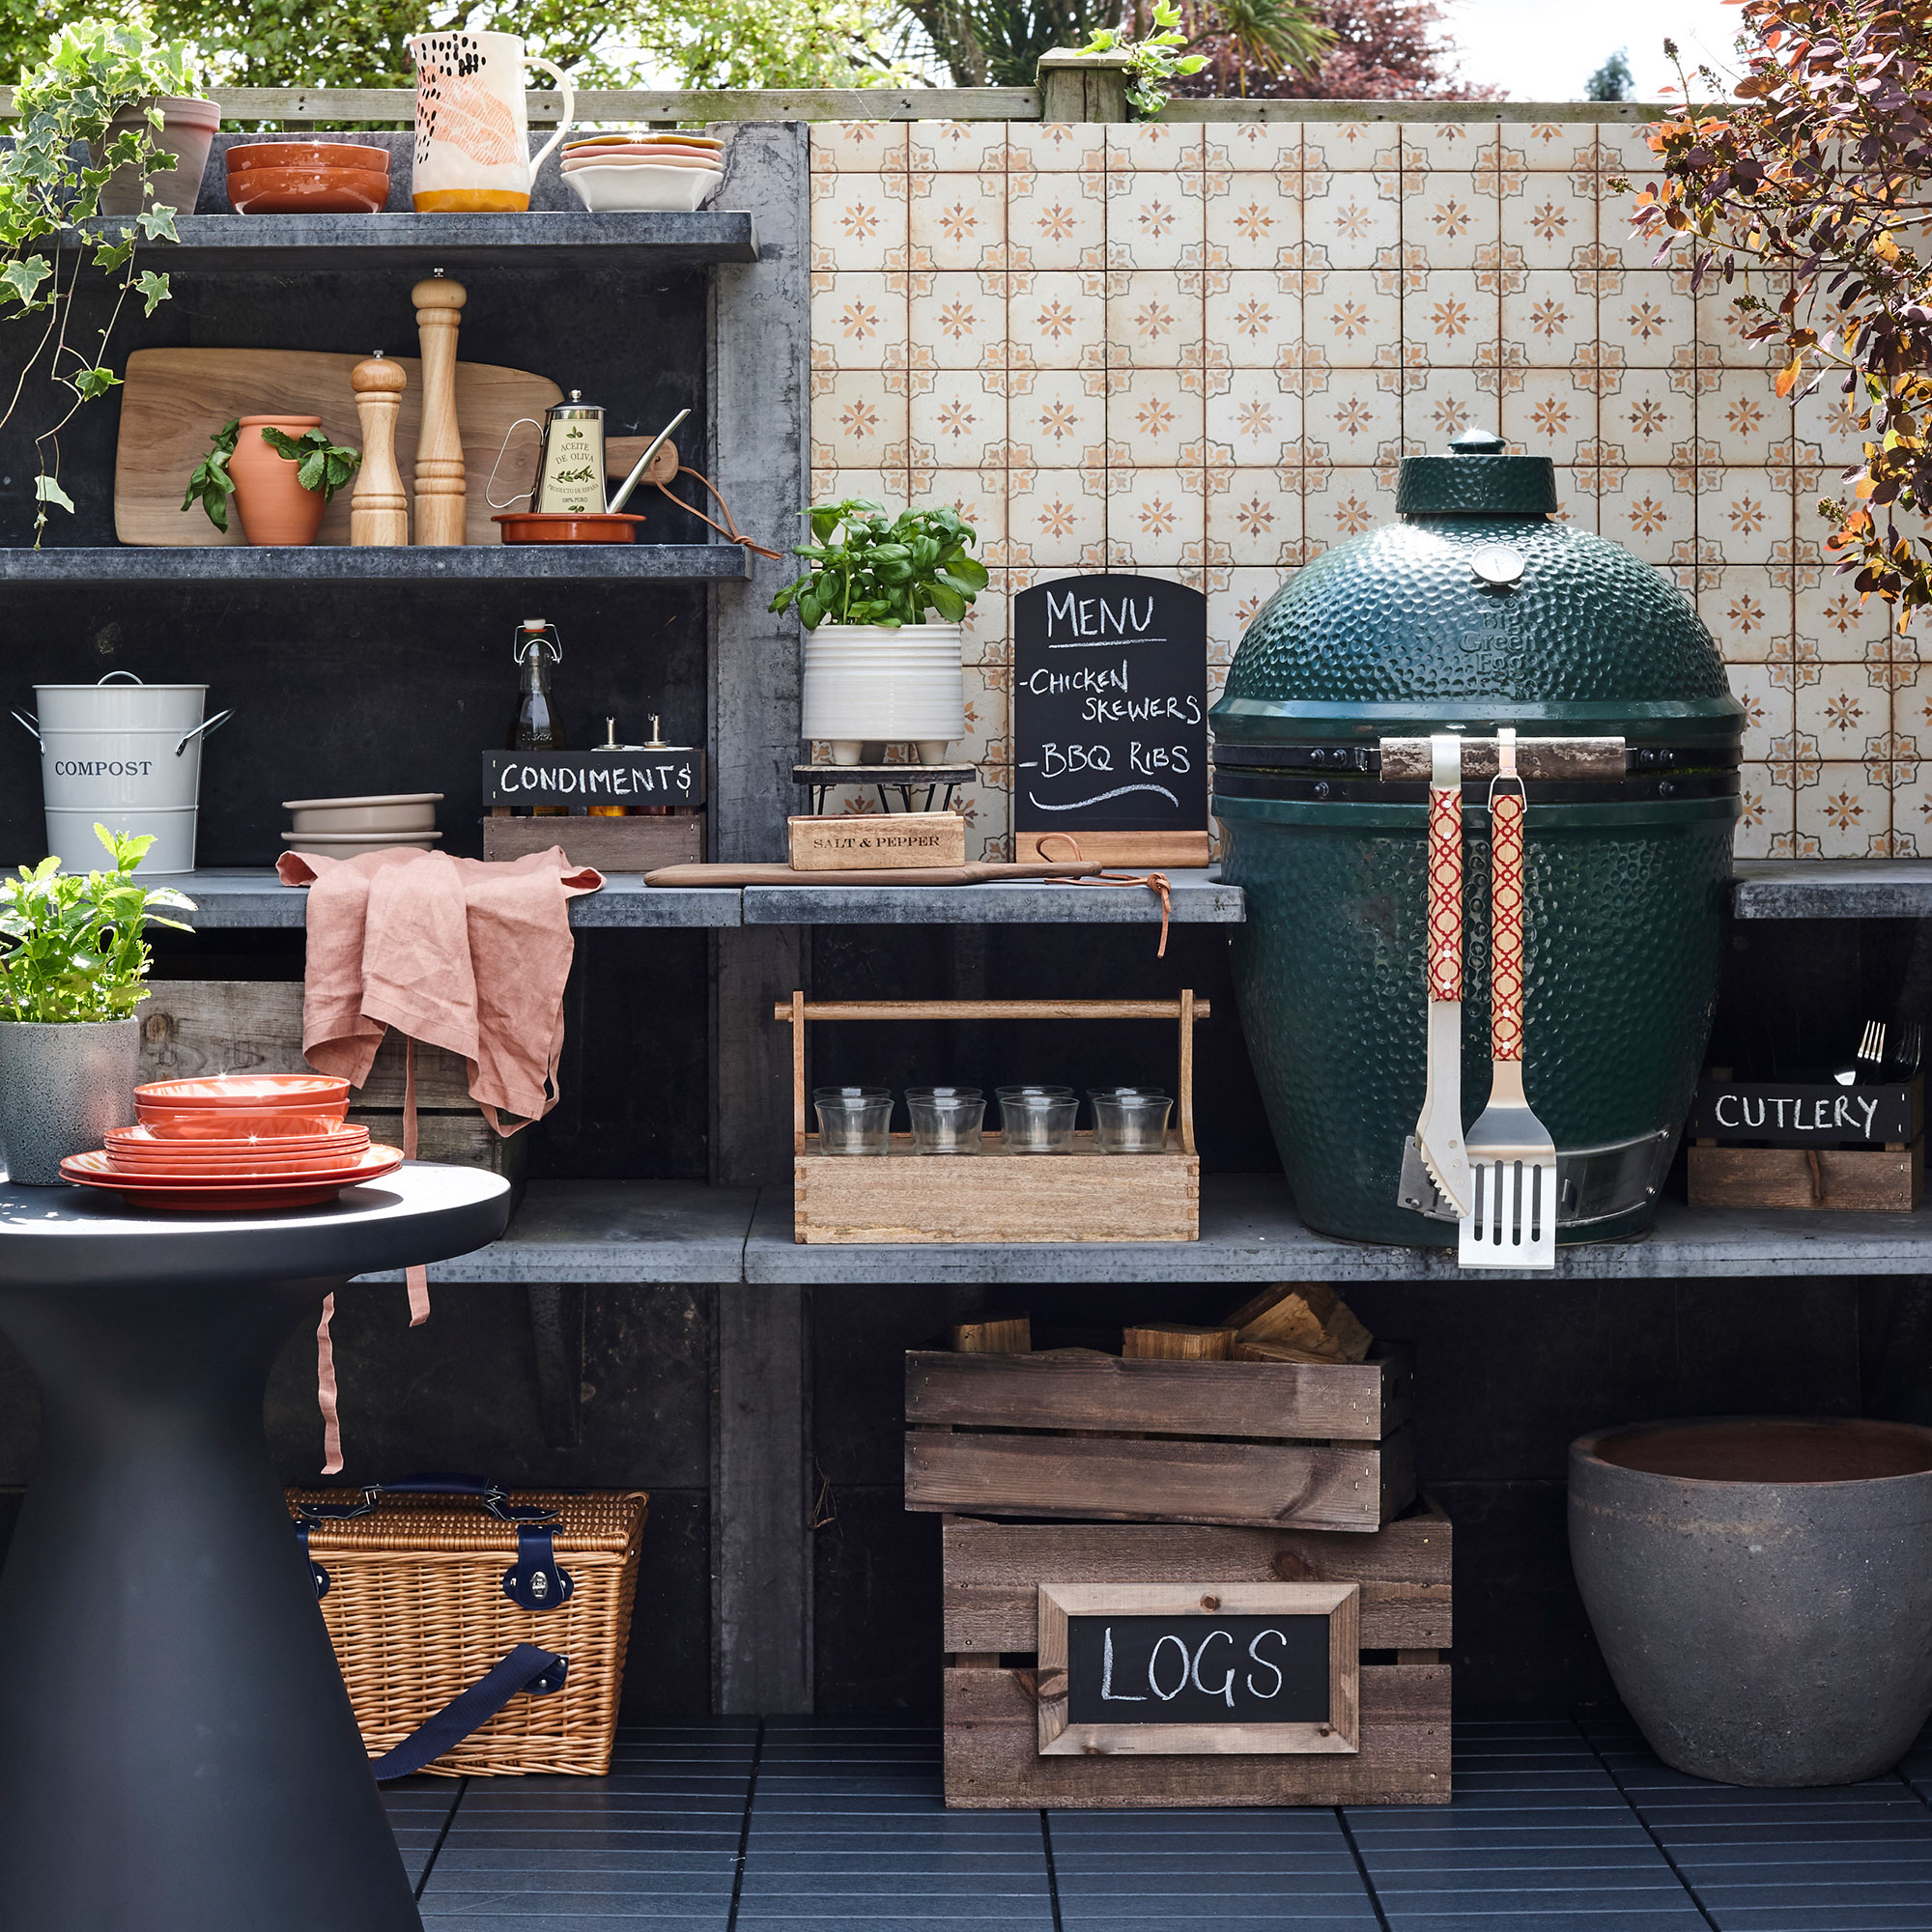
(1082, 87)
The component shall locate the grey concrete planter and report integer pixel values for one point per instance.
(61, 1088)
(1762, 1590)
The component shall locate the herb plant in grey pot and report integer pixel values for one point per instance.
(73, 963)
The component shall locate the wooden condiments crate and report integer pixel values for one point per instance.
(1073, 1432)
(638, 842)
(993, 1574)
(195, 1027)
(1083, 1196)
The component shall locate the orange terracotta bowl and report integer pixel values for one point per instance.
(307, 192)
(527, 527)
(204, 1124)
(308, 154)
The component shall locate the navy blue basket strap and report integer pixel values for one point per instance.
(527, 1668)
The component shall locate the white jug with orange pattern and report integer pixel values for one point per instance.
(472, 135)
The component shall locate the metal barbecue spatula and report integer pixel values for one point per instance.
(1439, 1129)
(1512, 1222)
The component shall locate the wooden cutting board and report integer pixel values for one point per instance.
(174, 400)
(978, 872)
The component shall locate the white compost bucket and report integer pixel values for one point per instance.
(124, 755)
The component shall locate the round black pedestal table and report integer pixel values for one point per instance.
(177, 1749)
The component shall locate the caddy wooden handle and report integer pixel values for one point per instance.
(990, 1009)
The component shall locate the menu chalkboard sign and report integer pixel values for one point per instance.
(1110, 710)
(1182, 1668)
(628, 775)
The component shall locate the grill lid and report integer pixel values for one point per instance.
(1476, 479)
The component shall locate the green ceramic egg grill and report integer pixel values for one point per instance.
(1473, 612)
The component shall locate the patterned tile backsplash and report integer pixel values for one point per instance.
(1201, 352)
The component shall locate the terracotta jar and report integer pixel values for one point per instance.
(271, 504)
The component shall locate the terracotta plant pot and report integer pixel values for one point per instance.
(269, 502)
(188, 131)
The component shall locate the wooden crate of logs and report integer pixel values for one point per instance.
(1187, 1424)
(191, 1028)
(994, 1573)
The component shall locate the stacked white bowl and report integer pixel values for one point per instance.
(867, 684)
(669, 170)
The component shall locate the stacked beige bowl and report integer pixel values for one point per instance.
(346, 828)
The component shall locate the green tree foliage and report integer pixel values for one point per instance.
(1613, 81)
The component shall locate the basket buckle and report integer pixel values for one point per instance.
(534, 1581)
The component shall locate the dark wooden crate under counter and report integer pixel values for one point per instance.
(1078, 1434)
(992, 1576)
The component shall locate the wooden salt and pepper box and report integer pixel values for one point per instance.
(379, 511)
(441, 477)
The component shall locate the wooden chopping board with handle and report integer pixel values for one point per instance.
(175, 399)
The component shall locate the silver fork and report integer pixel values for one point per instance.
(1871, 1051)
(1908, 1050)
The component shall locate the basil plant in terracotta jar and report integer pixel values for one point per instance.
(74, 965)
(876, 672)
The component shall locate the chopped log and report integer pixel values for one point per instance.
(1285, 1316)
(1174, 1341)
(1346, 1332)
(1280, 1351)
(994, 1335)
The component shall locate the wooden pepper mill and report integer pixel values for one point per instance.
(441, 489)
(379, 512)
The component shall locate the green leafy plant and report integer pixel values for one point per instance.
(325, 466)
(75, 945)
(93, 70)
(210, 485)
(871, 568)
(1152, 61)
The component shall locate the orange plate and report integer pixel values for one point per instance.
(308, 154)
(215, 1138)
(307, 192)
(246, 1089)
(188, 1160)
(87, 1170)
(522, 527)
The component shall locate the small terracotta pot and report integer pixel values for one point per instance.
(272, 506)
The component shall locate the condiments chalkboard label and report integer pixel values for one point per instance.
(1806, 1112)
(1210, 1668)
(636, 777)
(1110, 706)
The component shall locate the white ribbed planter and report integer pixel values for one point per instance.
(865, 684)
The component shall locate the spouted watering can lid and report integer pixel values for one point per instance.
(1476, 478)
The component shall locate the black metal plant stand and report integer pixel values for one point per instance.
(176, 1749)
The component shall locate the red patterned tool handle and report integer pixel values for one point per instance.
(1445, 892)
(1506, 925)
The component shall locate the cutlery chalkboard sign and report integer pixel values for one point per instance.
(637, 776)
(1110, 719)
(1808, 1113)
(1194, 1669)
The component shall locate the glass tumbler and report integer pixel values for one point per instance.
(1037, 1120)
(853, 1120)
(946, 1119)
(1129, 1120)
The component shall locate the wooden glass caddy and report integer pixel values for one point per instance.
(1082, 1196)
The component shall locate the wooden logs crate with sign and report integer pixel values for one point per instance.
(196, 1027)
(1201, 1476)
(1082, 1196)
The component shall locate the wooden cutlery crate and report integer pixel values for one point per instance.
(1806, 1143)
(992, 1576)
(1083, 1196)
(1074, 1432)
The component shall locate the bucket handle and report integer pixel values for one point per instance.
(27, 721)
(213, 723)
(128, 674)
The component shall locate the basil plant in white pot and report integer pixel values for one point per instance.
(875, 671)
(73, 970)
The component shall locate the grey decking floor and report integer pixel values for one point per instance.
(1557, 1827)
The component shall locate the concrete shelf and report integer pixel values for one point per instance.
(345, 563)
(412, 244)
(1834, 888)
(645, 1232)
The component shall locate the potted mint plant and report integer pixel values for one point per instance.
(73, 963)
(875, 671)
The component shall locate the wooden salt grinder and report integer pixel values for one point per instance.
(379, 512)
(440, 506)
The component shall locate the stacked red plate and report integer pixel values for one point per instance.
(257, 1140)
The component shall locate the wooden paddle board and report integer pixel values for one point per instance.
(175, 399)
(976, 873)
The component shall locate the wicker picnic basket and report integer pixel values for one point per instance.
(416, 1608)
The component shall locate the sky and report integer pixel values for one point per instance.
(1547, 49)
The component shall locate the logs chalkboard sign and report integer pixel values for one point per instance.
(628, 775)
(1187, 1670)
(1110, 720)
